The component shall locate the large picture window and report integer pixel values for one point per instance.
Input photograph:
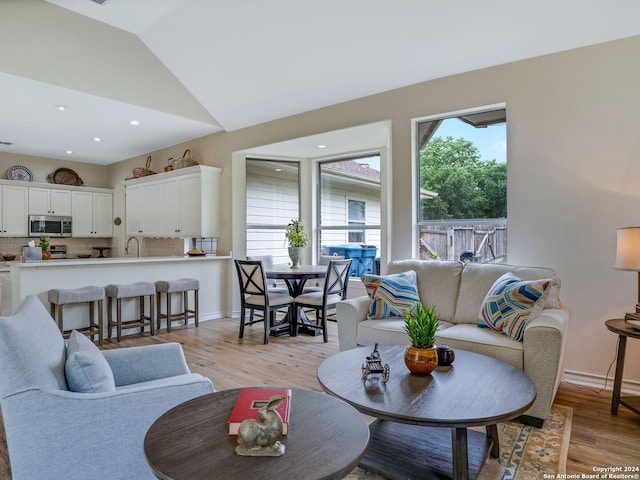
(349, 210)
(273, 200)
(462, 186)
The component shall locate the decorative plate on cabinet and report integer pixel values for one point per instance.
(18, 172)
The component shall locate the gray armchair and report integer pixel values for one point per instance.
(55, 433)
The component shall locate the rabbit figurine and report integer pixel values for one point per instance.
(260, 438)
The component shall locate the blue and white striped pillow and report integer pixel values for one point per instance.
(512, 303)
(391, 295)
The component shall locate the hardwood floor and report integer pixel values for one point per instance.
(598, 439)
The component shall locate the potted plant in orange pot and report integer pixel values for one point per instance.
(421, 324)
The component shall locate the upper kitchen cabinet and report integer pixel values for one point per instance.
(142, 211)
(92, 213)
(49, 201)
(15, 209)
(185, 203)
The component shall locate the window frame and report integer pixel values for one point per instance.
(417, 222)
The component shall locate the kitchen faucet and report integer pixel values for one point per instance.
(128, 241)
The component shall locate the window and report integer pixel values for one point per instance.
(356, 216)
(273, 200)
(349, 209)
(462, 186)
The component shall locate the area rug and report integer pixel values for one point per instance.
(525, 452)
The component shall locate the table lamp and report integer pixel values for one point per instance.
(628, 258)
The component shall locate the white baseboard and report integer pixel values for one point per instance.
(212, 316)
(598, 382)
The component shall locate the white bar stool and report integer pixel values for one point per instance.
(130, 291)
(90, 294)
(183, 286)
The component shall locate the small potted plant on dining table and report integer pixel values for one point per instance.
(297, 239)
(421, 324)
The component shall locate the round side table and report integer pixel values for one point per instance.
(624, 331)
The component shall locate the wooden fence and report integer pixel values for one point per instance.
(482, 241)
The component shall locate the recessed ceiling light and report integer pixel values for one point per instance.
(134, 123)
(69, 152)
(278, 169)
(321, 146)
(97, 139)
(62, 108)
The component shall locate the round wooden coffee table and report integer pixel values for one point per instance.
(475, 390)
(326, 440)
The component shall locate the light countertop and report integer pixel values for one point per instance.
(69, 262)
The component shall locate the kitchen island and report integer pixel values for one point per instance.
(36, 278)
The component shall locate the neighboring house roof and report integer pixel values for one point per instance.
(353, 168)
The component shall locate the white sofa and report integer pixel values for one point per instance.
(458, 290)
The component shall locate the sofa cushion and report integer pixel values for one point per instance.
(476, 280)
(511, 303)
(386, 331)
(32, 351)
(484, 341)
(391, 295)
(438, 283)
(87, 370)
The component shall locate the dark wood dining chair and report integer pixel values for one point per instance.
(255, 295)
(335, 289)
(267, 262)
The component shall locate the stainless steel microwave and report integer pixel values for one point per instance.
(54, 226)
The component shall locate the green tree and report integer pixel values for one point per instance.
(467, 186)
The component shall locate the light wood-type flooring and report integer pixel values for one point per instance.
(598, 439)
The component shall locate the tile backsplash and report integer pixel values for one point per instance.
(149, 247)
(75, 246)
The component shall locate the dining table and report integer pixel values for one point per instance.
(295, 279)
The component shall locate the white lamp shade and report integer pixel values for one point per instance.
(628, 249)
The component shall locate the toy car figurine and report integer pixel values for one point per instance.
(374, 365)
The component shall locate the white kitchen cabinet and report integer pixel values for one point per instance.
(15, 209)
(133, 209)
(142, 212)
(49, 201)
(183, 203)
(169, 204)
(92, 213)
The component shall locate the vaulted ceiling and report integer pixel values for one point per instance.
(188, 68)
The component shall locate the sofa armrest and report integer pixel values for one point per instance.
(77, 436)
(544, 342)
(349, 313)
(145, 363)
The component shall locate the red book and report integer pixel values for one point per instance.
(250, 400)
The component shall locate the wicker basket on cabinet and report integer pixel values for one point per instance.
(143, 171)
(183, 162)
